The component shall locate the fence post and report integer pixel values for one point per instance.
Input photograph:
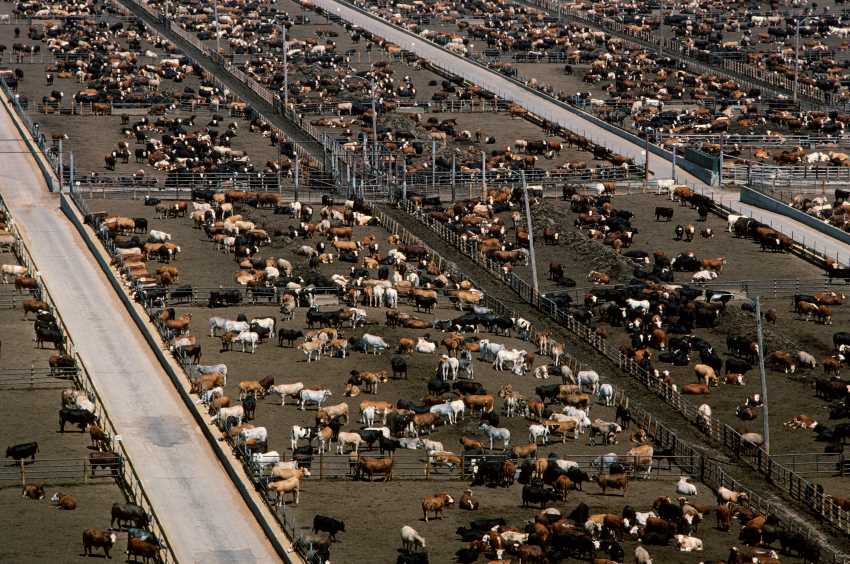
(23, 473)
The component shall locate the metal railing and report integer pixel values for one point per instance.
(59, 471)
(30, 378)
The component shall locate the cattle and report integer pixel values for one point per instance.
(98, 538)
(368, 467)
(435, 504)
(138, 547)
(538, 494)
(612, 481)
(81, 417)
(328, 524)
(123, 513)
(64, 502)
(20, 451)
(32, 491)
(411, 541)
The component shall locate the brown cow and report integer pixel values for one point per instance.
(435, 504)
(696, 389)
(98, 538)
(370, 466)
(614, 482)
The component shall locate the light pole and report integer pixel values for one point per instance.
(285, 70)
(534, 284)
(217, 30)
(765, 426)
(796, 57)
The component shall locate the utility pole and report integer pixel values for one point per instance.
(297, 174)
(71, 172)
(285, 70)
(534, 284)
(374, 129)
(765, 419)
(483, 175)
(433, 163)
(796, 56)
(217, 30)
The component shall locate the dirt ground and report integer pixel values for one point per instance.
(388, 509)
(35, 531)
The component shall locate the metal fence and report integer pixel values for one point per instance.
(59, 471)
(787, 177)
(31, 378)
(789, 481)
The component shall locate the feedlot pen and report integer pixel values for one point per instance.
(385, 506)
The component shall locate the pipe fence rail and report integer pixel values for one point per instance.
(59, 470)
(775, 288)
(789, 481)
(758, 141)
(31, 378)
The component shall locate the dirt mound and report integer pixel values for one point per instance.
(742, 323)
(589, 252)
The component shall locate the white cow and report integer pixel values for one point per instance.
(236, 326)
(155, 236)
(685, 488)
(345, 438)
(217, 323)
(260, 434)
(536, 432)
(496, 433)
(431, 446)
(448, 364)
(688, 544)
(513, 356)
(391, 298)
(293, 390)
(264, 322)
(489, 350)
(374, 342)
(314, 396)
(443, 410)
(425, 346)
(588, 379)
(606, 394)
(638, 304)
(704, 276)
(12, 270)
(224, 413)
(247, 338)
(298, 433)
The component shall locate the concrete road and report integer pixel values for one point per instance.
(202, 513)
(552, 111)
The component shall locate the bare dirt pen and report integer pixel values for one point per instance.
(366, 507)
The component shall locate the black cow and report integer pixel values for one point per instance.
(661, 212)
(469, 388)
(426, 303)
(388, 445)
(538, 494)
(82, 417)
(329, 525)
(288, 335)
(399, 367)
(23, 450)
(129, 513)
(323, 318)
(223, 298)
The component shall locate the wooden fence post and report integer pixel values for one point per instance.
(23, 473)
(321, 464)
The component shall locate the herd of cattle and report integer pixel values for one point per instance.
(398, 276)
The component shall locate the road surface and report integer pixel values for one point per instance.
(200, 509)
(548, 109)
